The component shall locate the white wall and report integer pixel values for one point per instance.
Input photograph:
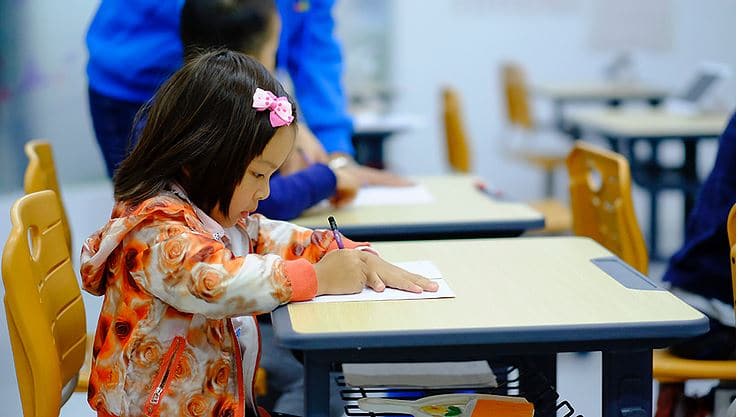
(436, 43)
(47, 89)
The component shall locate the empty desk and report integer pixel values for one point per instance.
(371, 130)
(611, 93)
(624, 128)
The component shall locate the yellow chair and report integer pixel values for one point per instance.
(43, 304)
(547, 149)
(603, 210)
(41, 175)
(601, 203)
(557, 216)
(731, 240)
(547, 152)
(456, 143)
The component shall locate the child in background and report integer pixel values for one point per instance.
(182, 261)
(253, 28)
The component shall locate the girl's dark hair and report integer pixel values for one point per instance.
(238, 25)
(201, 131)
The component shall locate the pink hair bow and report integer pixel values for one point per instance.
(280, 109)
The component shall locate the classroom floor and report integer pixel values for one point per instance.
(88, 208)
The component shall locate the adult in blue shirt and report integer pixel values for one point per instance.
(134, 46)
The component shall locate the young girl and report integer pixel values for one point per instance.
(181, 258)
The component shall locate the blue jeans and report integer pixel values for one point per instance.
(113, 121)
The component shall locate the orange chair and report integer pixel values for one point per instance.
(731, 240)
(546, 149)
(556, 215)
(601, 203)
(456, 143)
(41, 175)
(43, 304)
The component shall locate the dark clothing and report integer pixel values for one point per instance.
(717, 343)
(292, 194)
(702, 265)
(112, 120)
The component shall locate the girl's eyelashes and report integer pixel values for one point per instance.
(257, 175)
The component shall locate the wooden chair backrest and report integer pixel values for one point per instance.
(602, 204)
(46, 316)
(457, 144)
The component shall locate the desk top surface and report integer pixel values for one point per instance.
(507, 290)
(598, 90)
(649, 123)
(456, 203)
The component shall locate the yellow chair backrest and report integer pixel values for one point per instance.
(457, 145)
(731, 239)
(46, 316)
(602, 205)
(516, 96)
(41, 175)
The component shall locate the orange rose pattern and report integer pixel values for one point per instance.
(164, 344)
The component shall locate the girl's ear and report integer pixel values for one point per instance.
(186, 171)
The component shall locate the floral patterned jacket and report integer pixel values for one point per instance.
(176, 335)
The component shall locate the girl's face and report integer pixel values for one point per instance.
(255, 183)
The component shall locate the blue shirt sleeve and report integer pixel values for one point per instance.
(292, 194)
(311, 55)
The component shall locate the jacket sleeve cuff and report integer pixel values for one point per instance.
(303, 279)
(347, 244)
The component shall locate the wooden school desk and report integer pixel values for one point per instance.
(372, 130)
(459, 210)
(524, 296)
(624, 128)
(611, 93)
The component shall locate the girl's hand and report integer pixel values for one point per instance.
(383, 274)
(349, 271)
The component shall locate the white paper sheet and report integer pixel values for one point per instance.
(425, 268)
(392, 196)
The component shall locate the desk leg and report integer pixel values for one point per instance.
(540, 367)
(370, 149)
(626, 384)
(690, 176)
(317, 385)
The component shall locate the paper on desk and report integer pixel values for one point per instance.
(420, 374)
(424, 268)
(392, 196)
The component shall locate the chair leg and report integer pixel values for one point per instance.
(668, 398)
(548, 186)
(654, 225)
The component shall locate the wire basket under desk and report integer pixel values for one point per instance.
(538, 390)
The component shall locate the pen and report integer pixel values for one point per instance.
(494, 193)
(336, 233)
